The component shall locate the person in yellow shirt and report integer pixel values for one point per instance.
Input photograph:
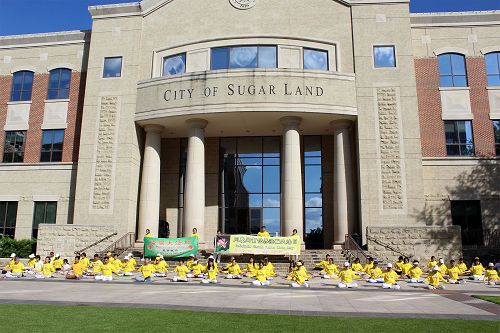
(116, 262)
(491, 275)
(442, 266)
(415, 273)
(295, 233)
(147, 271)
(376, 274)
(148, 234)
(76, 270)
(299, 276)
(32, 261)
(196, 234)
(432, 263)
(321, 265)
(463, 267)
(95, 266)
(57, 263)
(181, 271)
(251, 267)
(9, 264)
(261, 276)
(434, 278)
(453, 273)
(161, 267)
(263, 232)
(347, 277)
(407, 265)
(270, 269)
(233, 270)
(357, 267)
(47, 269)
(196, 270)
(107, 270)
(477, 270)
(368, 266)
(398, 265)
(84, 260)
(331, 270)
(52, 257)
(390, 277)
(15, 270)
(132, 259)
(211, 272)
(190, 261)
(128, 267)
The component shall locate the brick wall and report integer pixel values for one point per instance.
(34, 134)
(429, 106)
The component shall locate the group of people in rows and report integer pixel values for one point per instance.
(262, 273)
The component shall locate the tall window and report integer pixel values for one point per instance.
(384, 56)
(45, 213)
(467, 214)
(315, 59)
(459, 139)
(174, 65)
(452, 72)
(313, 193)
(250, 184)
(244, 57)
(112, 67)
(22, 84)
(8, 215)
(496, 129)
(59, 81)
(52, 146)
(493, 68)
(13, 150)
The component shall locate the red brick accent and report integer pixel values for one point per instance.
(34, 135)
(75, 110)
(5, 86)
(484, 140)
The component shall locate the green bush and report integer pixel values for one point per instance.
(22, 248)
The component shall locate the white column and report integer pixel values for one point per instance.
(194, 191)
(149, 201)
(293, 207)
(343, 199)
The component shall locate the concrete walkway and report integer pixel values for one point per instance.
(240, 297)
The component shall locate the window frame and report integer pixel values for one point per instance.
(393, 46)
(15, 141)
(496, 136)
(104, 67)
(4, 219)
(229, 47)
(457, 134)
(172, 56)
(22, 90)
(52, 151)
(304, 49)
(59, 89)
(453, 75)
(35, 226)
(497, 53)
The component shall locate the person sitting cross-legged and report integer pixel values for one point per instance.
(347, 276)
(107, 270)
(261, 276)
(390, 278)
(181, 271)
(211, 272)
(147, 271)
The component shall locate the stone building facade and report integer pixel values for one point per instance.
(231, 115)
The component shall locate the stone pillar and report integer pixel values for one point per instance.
(343, 199)
(293, 207)
(149, 201)
(194, 191)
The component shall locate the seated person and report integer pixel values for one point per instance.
(94, 266)
(463, 267)
(368, 266)
(147, 270)
(432, 262)
(234, 270)
(66, 267)
(375, 274)
(160, 264)
(211, 272)
(453, 272)
(31, 262)
(321, 265)
(477, 270)
(9, 264)
(107, 270)
(357, 267)
(390, 278)
(251, 267)
(128, 267)
(299, 276)
(405, 271)
(268, 266)
(196, 270)
(331, 270)
(491, 275)
(57, 263)
(181, 271)
(190, 261)
(76, 270)
(47, 269)
(415, 273)
(117, 263)
(261, 276)
(15, 270)
(398, 265)
(83, 260)
(442, 266)
(347, 276)
(434, 278)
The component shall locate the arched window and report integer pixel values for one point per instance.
(59, 81)
(493, 68)
(452, 72)
(22, 84)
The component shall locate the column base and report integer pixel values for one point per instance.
(338, 246)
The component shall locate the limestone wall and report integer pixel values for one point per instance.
(419, 242)
(66, 239)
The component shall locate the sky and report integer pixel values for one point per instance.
(35, 16)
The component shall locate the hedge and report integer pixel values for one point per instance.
(22, 248)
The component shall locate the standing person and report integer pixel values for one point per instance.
(434, 278)
(148, 234)
(251, 267)
(477, 270)
(416, 273)
(390, 278)
(196, 234)
(211, 272)
(217, 255)
(261, 276)
(76, 270)
(491, 275)
(263, 232)
(181, 271)
(107, 270)
(347, 276)
(147, 270)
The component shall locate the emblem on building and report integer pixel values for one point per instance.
(243, 4)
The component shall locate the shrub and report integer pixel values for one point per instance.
(22, 248)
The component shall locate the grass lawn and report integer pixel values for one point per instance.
(492, 299)
(52, 318)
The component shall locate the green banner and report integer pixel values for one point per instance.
(171, 247)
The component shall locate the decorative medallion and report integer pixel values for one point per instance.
(243, 4)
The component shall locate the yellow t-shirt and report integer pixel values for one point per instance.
(399, 265)
(431, 264)
(357, 267)
(181, 270)
(128, 267)
(212, 274)
(270, 269)
(196, 235)
(108, 269)
(347, 275)
(148, 235)
(197, 269)
(390, 277)
(96, 266)
(491, 275)
(415, 272)
(132, 260)
(234, 269)
(368, 268)
(85, 262)
(261, 274)
(406, 268)
(57, 263)
(17, 268)
(477, 269)
(48, 269)
(147, 270)
(32, 262)
(331, 269)
(117, 264)
(462, 267)
(251, 268)
(442, 269)
(263, 234)
(376, 272)
(161, 267)
(434, 278)
(453, 273)
(77, 268)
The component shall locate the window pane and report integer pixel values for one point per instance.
(313, 200)
(58, 137)
(496, 128)
(271, 161)
(458, 64)
(249, 200)
(53, 94)
(494, 80)
(312, 178)
(468, 132)
(47, 139)
(492, 65)
(250, 161)
(51, 213)
(220, 58)
(272, 179)
(56, 156)
(312, 146)
(459, 81)
(451, 134)
(446, 81)
(313, 219)
(267, 57)
(39, 214)
(272, 220)
(65, 78)
(45, 156)
(250, 147)
(271, 146)
(174, 65)
(3, 211)
(312, 160)
(54, 79)
(315, 59)
(112, 67)
(271, 200)
(25, 95)
(252, 179)
(11, 215)
(384, 56)
(444, 61)
(243, 57)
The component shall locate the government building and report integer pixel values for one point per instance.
(348, 120)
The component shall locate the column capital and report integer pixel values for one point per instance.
(291, 121)
(341, 124)
(153, 128)
(197, 123)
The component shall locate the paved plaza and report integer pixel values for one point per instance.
(322, 298)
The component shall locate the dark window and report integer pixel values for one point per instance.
(22, 84)
(452, 72)
(174, 65)
(384, 56)
(52, 146)
(45, 212)
(313, 193)
(13, 150)
(459, 139)
(112, 67)
(59, 81)
(315, 59)
(493, 68)
(8, 215)
(467, 214)
(496, 129)
(244, 57)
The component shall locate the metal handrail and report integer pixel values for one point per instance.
(353, 250)
(387, 246)
(122, 244)
(96, 243)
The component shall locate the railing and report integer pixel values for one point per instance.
(472, 239)
(97, 243)
(122, 244)
(353, 250)
(387, 246)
